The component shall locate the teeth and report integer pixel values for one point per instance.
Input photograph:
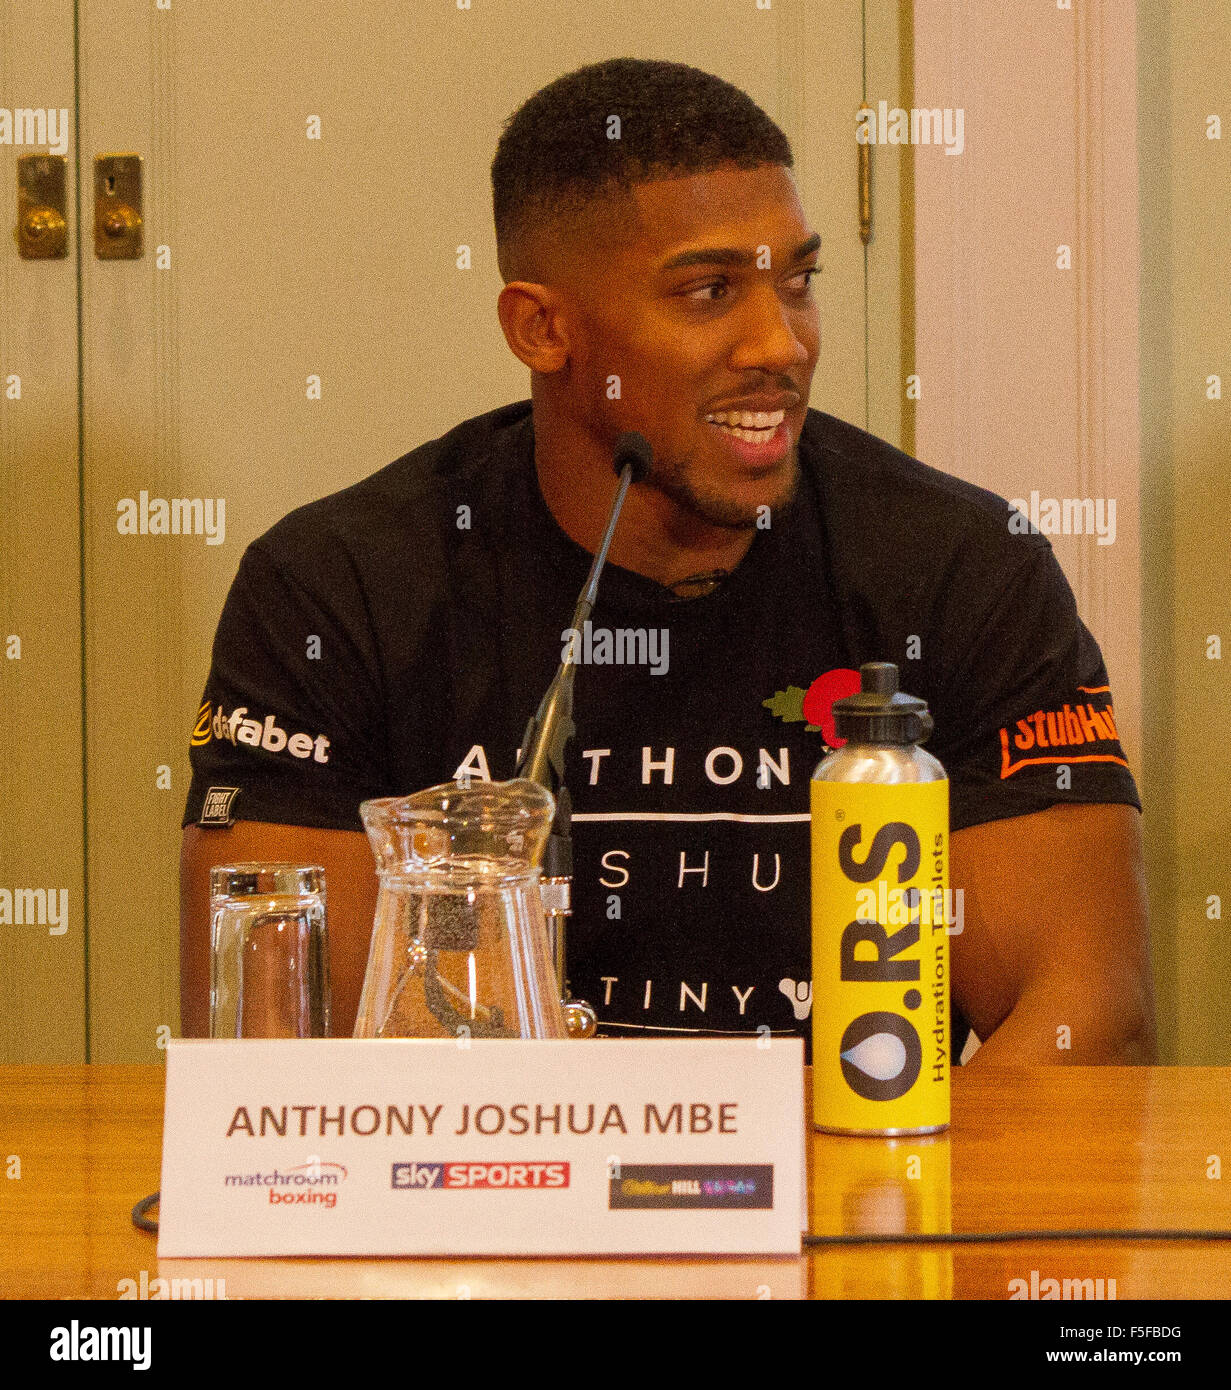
(750, 436)
(748, 419)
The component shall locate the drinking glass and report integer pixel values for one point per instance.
(269, 952)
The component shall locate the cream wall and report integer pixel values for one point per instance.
(42, 975)
(363, 259)
(338, 258)
(1026, 273)
(1184, 78)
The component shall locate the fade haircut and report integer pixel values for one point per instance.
(555, 157)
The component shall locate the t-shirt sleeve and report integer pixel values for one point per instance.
(291, 725)
(1025, 719)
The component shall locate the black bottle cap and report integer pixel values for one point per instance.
(880, 713)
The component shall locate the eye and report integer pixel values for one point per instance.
(810, 272)
(703, 289)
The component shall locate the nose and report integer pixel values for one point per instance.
(773, 335)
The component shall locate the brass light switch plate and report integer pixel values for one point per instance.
(117, 207)
(42, 228)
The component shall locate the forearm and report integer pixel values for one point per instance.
(1054, 1027)
(194, 945)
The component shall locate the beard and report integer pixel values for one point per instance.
(710, 504)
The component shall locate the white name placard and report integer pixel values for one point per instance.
(415, 1147)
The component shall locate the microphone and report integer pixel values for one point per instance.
(633, 450)
(549, 731)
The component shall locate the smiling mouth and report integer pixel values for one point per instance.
(756, 441)
(753, 427)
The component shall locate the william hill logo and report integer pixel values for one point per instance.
(1069, 734)
(696, 1186)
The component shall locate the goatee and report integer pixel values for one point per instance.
(711, 506)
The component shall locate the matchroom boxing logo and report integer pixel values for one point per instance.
(307, 1184)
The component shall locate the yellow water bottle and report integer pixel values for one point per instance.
(880, 916)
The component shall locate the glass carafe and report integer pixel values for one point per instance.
(459, 946)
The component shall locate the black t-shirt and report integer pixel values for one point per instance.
(398, 632)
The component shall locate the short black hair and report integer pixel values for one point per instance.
(556, 155)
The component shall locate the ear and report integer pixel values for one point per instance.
(533, 325)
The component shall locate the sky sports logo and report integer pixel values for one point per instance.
(420, 1177)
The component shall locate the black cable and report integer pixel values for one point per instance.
(980, 1237)
(144, 1223)
(140, 1220)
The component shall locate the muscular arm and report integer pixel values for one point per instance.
(350, 885)
(1055, 932)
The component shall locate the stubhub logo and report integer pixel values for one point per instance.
(520, 1176)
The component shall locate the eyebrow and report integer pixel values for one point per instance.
(730, 255)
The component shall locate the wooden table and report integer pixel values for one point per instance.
(1050, 1147)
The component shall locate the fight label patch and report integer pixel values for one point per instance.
(217, 807)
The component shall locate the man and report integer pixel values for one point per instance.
(657, 266)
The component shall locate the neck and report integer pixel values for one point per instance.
(655, 537)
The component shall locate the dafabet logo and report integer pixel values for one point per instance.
(237, 728)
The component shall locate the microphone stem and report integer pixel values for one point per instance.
(585, 604)
(546, 737)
